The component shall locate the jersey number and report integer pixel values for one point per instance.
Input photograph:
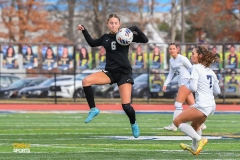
(210, 80)
(113, 45)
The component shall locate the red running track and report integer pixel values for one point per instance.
(106, 107)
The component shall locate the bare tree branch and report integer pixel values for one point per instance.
(233, 14)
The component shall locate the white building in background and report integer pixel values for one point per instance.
(154, 35)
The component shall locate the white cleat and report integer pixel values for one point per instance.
(203, 126)
(171, 128)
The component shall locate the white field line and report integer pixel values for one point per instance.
(158, 137)
(124, 137)
(130, 150)
(107, 151)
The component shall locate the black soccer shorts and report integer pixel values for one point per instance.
(119, 78)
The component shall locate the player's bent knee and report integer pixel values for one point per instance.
(195, 126)
(127, 108)
(85, 82)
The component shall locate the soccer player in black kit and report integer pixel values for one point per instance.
(117, 70)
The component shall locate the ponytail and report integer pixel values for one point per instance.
(207, 57)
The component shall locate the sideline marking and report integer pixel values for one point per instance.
(158, 138)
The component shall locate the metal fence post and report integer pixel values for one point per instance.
(55, 94)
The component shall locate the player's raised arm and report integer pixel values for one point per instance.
(139, 36)
(92, 42)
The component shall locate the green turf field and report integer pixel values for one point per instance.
(66, 136)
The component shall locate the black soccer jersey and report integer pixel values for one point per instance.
(232, 60)
(116, 54)
(139, 58)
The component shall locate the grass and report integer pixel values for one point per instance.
(66, 136)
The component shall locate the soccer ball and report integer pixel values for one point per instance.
(124, 36)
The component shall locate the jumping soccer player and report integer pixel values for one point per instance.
(117, 70)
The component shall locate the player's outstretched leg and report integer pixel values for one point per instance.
(132, 118)
(92, 113)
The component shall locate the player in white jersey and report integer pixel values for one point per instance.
(179, 66)
(203, 81)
